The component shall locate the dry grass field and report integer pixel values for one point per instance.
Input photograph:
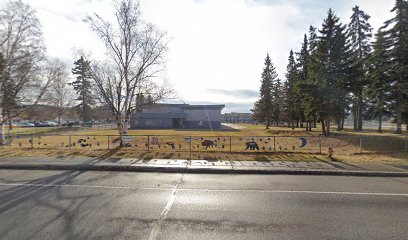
(277, 143)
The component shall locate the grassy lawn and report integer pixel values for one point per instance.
(275, 144)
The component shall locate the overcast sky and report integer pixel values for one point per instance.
(217, 47)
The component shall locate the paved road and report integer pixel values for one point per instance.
(120, 205)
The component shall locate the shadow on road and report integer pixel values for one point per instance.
(62, 206)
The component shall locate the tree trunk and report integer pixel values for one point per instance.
(339, 124)
(125, 126)
(399, 119)
(2, 136)
(342, 123)
(327, 127)
(119, 126)
(360, 111)
(354, 112)
(268, 122)
(323, 128)
(380, 107)
(399, 113)
(10, 124)
(399, 123)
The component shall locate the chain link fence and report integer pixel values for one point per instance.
(222, 144)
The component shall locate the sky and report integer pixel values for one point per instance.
(217, 47)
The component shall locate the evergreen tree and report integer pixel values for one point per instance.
(311, 104)
(377, 90)
(396, 35)
(290, 93)
(278, 100)
(302, 86)
(263, 108)
(332, 72)
(82, 86)
(359, 33)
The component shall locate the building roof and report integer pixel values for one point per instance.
(191, 107)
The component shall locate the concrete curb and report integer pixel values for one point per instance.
(189, 169)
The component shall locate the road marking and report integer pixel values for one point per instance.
(83, 186)
(177, 188)
(297, 192)
(156, 229)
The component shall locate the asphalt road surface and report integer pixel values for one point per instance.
(122, 205)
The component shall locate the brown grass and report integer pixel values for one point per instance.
(276, 143)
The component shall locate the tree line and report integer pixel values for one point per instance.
(121, 83)
(341, 70)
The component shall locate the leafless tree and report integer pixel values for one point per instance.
(59, 94)
(135, 50)
(21, 44)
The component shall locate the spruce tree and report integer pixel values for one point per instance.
(378, 88)
(290, 93)
(332, 69)
(263, 108)
(311, 105)
(302, 94)
(278, 100)
(82, 86)
(396, 35)
(359, 34)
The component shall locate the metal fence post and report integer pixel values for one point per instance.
(274, 143)
(191, 140)
(320, 144)
(230, 144)
(361, 144)
(108, 142)
(148, 142)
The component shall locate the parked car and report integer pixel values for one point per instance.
(27, 125)
(41, 124)
(70, 123)
(52, 123)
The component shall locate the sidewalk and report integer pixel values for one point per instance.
(206, 166)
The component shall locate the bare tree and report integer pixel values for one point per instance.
(135, 50)
(59, 93)
(21, 44)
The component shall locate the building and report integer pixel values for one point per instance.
(170, 116)
(237, 118)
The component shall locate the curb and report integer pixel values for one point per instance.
(183, 169)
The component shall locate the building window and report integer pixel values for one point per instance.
(200, 123)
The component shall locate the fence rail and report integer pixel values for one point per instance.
(222, 144)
